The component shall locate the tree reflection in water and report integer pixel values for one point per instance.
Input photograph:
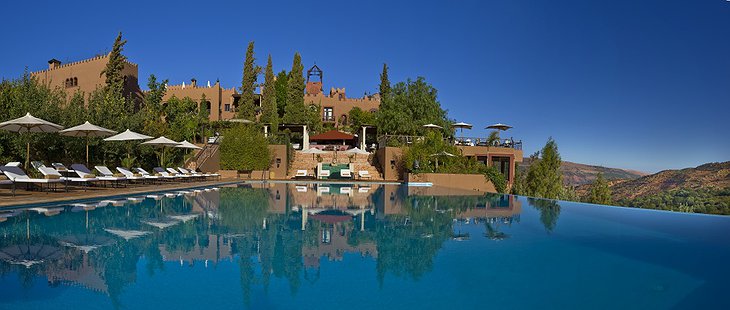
(549, 212)
(270, 231)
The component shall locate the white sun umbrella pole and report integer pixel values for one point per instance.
(128, 135)
(187, 145)
(161, 142)
(87, 130)
(29, 123)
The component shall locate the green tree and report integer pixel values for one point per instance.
(411, 105)
(203, 112)
(358, 118)
(544, 178)
(282, 86)
(600, 192)
(295, 111)
(113, 69)
(247, 108)
(269, 114)
(384, 83)
(244, 148)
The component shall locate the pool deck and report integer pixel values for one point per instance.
(24, 197)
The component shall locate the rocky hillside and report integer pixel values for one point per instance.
(575, 174)
(707, 176)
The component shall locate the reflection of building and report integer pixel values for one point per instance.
(335, 105)
(208, 249)
(333, 244)
(83, 274)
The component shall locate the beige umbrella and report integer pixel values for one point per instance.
(499, 126)
(87, 130)
(461, 126)
(434, 126)
(355, 151)
(314, 151)
(161, 142)
(187, 145)
(29, 123)
(128, 135)
(441, 154)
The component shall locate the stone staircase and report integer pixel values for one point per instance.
(203, 159)
(309, 162)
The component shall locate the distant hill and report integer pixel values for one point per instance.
(575, 174)
(712, 176)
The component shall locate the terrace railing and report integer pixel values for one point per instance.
(481, 141)
(403, 140)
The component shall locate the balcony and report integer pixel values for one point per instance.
(328, 118)
(403, 140)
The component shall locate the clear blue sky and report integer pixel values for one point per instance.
(624, 83)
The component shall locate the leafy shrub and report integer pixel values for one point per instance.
(244, 148)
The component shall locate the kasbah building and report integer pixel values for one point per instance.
(86, 76)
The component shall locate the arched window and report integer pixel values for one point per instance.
(343, 119)
(373, 110)
(67, 83)
(76, 81)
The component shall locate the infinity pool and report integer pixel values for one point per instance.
(366, 246)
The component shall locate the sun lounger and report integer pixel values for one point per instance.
(301, 174)
(193, 173)
(17, 175)
(346, 173)
(346, 190)
(179, 174)
(51, 173)
(108, 175)
(165, 174)
(84, 172)
(129, 175)
(324, 174)
(147, 175)
(364, 174)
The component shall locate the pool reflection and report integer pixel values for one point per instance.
(269, 230)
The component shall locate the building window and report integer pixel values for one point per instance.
(328, 114)
(227, 107)
(76, 82)
(502, 164)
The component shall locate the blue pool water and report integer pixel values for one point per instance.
(288, 245)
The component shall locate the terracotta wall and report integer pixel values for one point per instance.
(216, 95)
(389, 161)
(475, 182)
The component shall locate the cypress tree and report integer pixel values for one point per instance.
(600, 192)
(281, 85)
(113, 69)
(270, 112)
(384, 83)
(247, 108)
(294, 112)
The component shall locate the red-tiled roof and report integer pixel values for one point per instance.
(332, 135)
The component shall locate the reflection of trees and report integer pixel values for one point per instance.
(408, 243)
(549, 212)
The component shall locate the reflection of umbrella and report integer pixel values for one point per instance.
(461, 126)
(29, 123)
(161, 142)
(441, 154)
(128, 135)
(499, 126)
(432, 126)
(86, 242)
(87, 130)
(127, 234)
(29, 254)
(162, 224)
(184, 217)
